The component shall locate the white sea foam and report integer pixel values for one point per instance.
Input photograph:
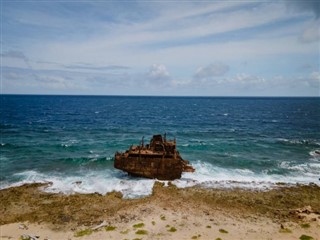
(206, 175)
(302, 170)
(315, 153)
(102, 181)
(212, 176)
(298, 141)
(69, 143)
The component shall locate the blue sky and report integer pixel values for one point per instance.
(176, 48)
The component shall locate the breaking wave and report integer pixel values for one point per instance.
(102, 181)
(315, 153)
(206, 175)
(298, 142)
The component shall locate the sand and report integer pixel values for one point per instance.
(169, 213)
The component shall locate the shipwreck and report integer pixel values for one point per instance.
(159, 159)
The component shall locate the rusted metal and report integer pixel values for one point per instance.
(158, 159)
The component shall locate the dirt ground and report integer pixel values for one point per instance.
(169, 213)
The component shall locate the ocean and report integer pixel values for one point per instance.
(231, 141)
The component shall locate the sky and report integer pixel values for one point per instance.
(162, 48)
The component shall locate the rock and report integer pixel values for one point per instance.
(307, 210)
(206, 213)
(23, 226)
(29, 237)
(103, 224)
(115, 194)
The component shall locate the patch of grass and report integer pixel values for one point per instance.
(285, 230)
(167, 225)
(305, 225)
(196, 237)
(137, 239)
(138, 225)
(163, 217)
(208, 226)
(218, 239)
(306, 237)
(125, 232)
(223, 231)
(153, 223)
(142, 232)
(110, 228)
(172, 229)
(83, 233)
(22, 237)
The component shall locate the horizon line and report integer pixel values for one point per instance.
(174, 96)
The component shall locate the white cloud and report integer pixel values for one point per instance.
(158, 74)
(305, 6)
(193, 24)
(122, 43)
(45, 81)
(314, 80)
(213, 70)
(248, 79)
(158, 71)
(311, 32)
(14, 54)
(315, 76)
(115, 53)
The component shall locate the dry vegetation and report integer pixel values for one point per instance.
(28, 203)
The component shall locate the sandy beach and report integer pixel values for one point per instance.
(293, 212)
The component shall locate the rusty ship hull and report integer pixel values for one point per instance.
(159, 160)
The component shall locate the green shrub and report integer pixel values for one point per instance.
(285, 230)
(83, 232)
(305, 237)
(172, 229)
(110, 228)
(142, 232)
(305, 225)
(223, 231)
(138, 225)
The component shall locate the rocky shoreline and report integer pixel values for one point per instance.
(169, 213)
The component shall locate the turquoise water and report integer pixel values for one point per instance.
(248, 142)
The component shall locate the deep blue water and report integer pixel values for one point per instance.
(68, 138)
